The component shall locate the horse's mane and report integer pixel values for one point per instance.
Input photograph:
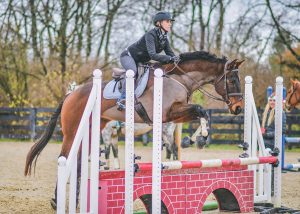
(202, 55)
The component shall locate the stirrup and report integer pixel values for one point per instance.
(121, 104)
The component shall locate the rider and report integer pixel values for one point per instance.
(148, 48)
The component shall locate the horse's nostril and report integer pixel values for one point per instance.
(238, 110)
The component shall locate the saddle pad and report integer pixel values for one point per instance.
(109, 93)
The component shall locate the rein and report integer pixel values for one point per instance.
(201, 89)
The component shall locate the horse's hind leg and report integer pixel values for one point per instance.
(114, 143)
(65, 150)
(174, 149)
(107, 153)
(78, 177)
(168, 138)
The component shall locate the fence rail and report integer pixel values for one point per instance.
(29, 123)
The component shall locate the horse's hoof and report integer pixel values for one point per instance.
(53, 203)
(186, 142)
(106, 168)
(201, 141)
(244, 155)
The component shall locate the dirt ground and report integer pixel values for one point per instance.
(19, 194)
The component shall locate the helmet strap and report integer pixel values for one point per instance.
(161, 27)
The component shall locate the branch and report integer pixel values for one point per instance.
(280, 33)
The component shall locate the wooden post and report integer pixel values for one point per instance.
(178, 136)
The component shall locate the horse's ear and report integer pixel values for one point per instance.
(292, 81)
(231, 64)
(238, 63)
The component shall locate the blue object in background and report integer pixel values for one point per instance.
(269, 92)
(284, 93)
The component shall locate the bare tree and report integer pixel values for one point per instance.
(280, 30)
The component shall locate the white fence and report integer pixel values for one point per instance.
(253, 136)
(67, 168)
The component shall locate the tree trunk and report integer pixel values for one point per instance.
(220, 26)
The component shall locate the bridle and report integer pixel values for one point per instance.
(236, 81)
(201, 89)
(294, 92)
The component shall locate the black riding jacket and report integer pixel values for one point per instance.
(150, 45)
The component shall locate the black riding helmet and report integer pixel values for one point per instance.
(161, 15)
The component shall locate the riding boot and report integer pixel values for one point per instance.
(122, 99)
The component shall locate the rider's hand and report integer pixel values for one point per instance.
(175, 59)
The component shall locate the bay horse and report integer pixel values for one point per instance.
(293, 95)
(194, 70)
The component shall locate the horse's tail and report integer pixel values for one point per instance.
(37, 148)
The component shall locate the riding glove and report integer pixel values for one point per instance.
(175, 59)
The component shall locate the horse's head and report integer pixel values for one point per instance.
(293, 95)
(228, 85)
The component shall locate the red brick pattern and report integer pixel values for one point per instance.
(181, 193)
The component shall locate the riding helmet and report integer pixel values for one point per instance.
(162, 15)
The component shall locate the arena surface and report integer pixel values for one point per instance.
(19, 194)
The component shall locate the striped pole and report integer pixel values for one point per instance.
(210, 163)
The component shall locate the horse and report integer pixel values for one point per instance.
(114, 129)
(181, 79)
(293, 95)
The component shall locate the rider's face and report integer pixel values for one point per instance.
(272, 102)
(166, 25)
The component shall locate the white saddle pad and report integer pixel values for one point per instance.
(111, 90)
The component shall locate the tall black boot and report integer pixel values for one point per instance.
(122, 99)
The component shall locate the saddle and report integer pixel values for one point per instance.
(113, 88)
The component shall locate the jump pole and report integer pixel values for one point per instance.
(129, 142)
(157, 145)
(278, 140)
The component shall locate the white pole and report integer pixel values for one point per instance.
(248, 113)
(129, 142)
(95, 143)
(84, 172)
(278, 141)
(61, 185)
(73, 188)
(157, 129)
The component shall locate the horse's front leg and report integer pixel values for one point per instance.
(180, 113)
